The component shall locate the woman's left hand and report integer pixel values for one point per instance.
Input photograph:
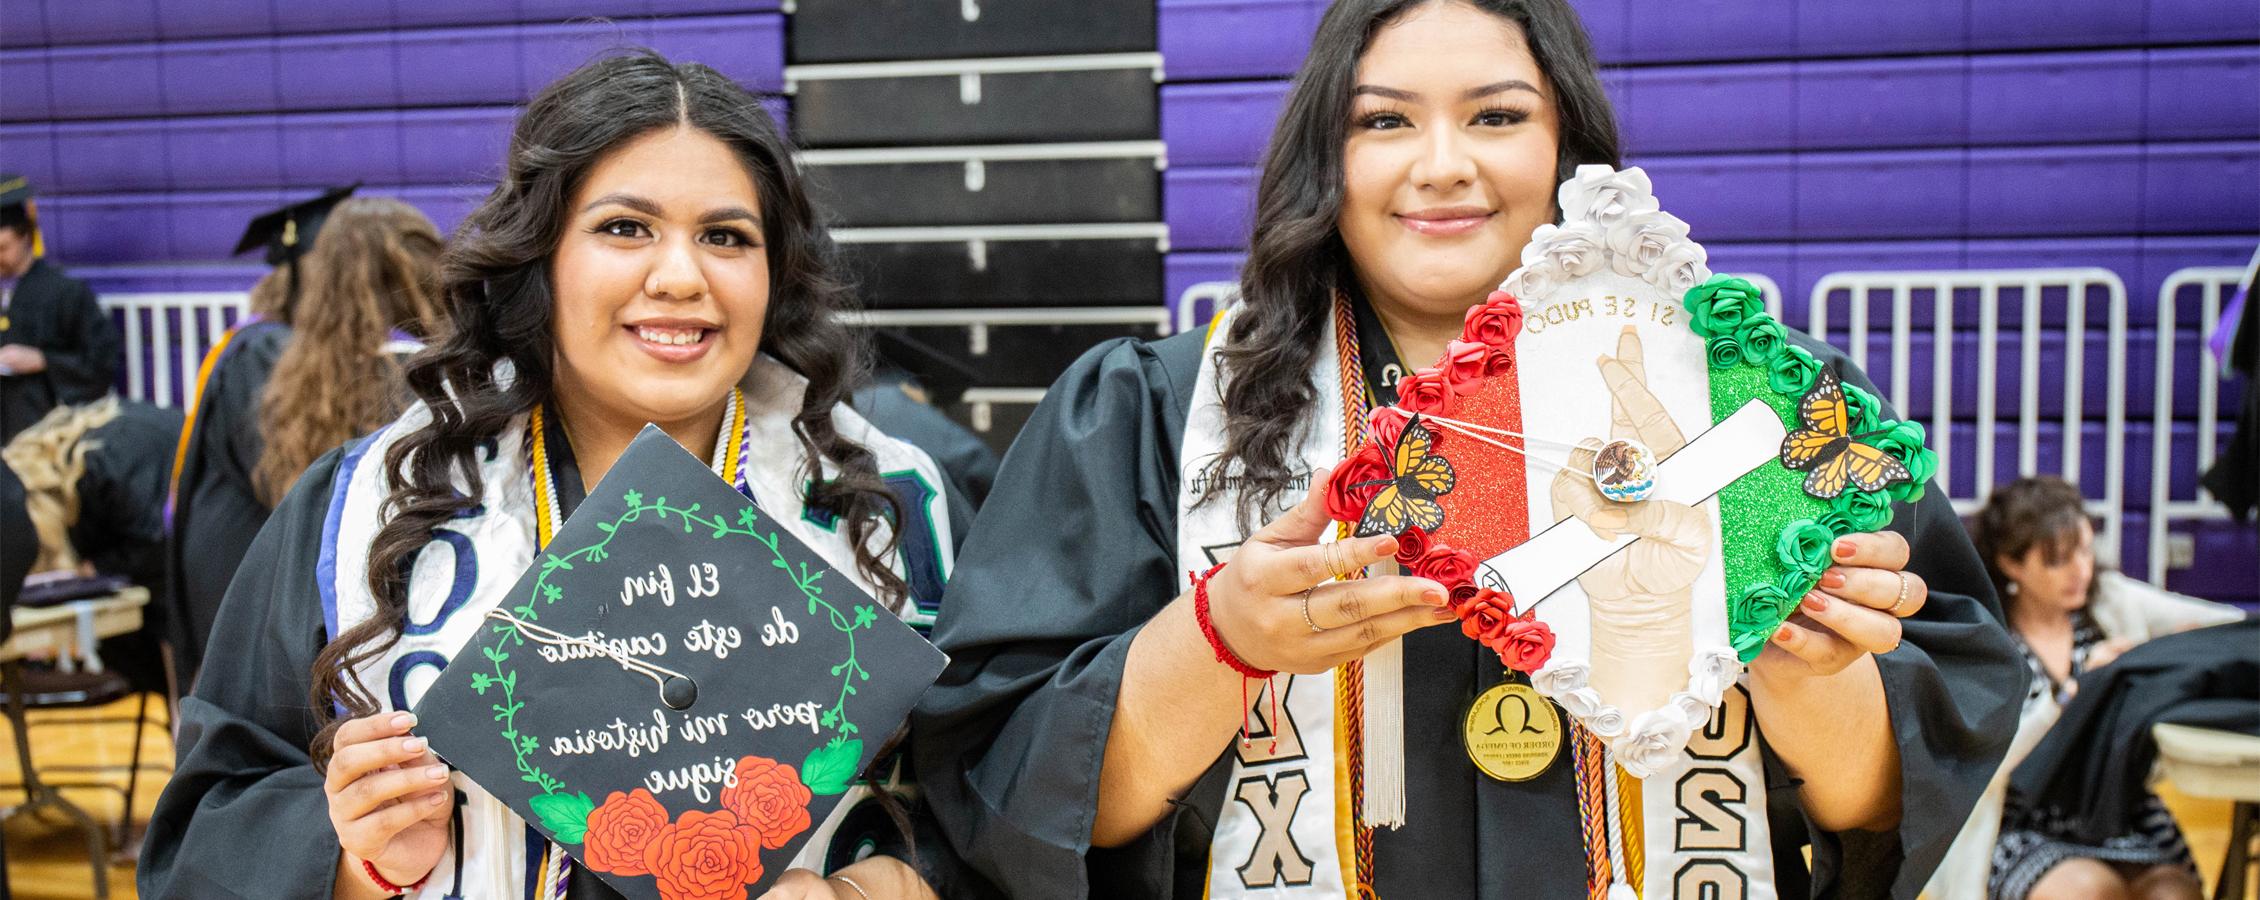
(1853, 612)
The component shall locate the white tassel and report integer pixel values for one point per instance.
(1620, 881)
(1385, 737)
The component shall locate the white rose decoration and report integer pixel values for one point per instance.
(1695, 710)
(1534, 281)
(1679, 270)
(1561, 678)
(1576, 249)
(1586, 706)
(1603, 195)
(1638, 242)
(1658, 743)
(1709, 672)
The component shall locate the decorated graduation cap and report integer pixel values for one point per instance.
(288, 233)
(16, 205)
(678, 690)
(1627, 474)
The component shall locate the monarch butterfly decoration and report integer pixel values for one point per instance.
(1408, 496)
(1836, 458)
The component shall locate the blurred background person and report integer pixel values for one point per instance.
(319, 366)
(56, 344)
(2069, 617)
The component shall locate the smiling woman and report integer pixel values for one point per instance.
(649, 257)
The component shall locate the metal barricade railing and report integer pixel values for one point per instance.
(2027, 286)
(165, 337)
(2213, 285)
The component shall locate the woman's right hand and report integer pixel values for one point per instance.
(1257, 600)
(388, 798)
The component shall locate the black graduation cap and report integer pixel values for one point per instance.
(15, 190)
(288, 232)
(671, 642)
(944, 377)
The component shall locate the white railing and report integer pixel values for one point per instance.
(2029, 285)
(166, 336)
(2213, 285)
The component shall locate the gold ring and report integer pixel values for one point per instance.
(1314, 629)
(1902, 601)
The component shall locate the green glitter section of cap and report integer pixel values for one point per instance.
(1754, 508)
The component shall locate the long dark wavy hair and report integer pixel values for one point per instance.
(495, 282)
(1296, 259)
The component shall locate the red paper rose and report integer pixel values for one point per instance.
(1497, 322)
(1499, 361)
(1426, 391)
(704, 856)
(1484, 616)
(1349, 488)
(1446, 566)
(620, 829)
(1411, 544)
(1461, 595)
(1383, 427)
(769, 799)
(1524, 644)
(1466, 365)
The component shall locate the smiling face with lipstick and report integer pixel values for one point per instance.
(661, 283)
(1448, 164)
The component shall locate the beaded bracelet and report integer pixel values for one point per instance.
(388, 887)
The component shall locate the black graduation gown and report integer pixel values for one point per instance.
(57, 314)
(242, 774)
(121, 523)
(19, 545)
(215, 510)
(1075, 550)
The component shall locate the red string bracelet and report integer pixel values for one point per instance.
(387, 886)
(1225, 655)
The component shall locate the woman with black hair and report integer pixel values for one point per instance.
(649, 256)
(1099, 731)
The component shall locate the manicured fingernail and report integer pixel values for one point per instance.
(435, 773)
(1434, 597)
(1843, 549)
(1387, 547)
(413, 745)
(1444, 614)
(1781, 636)
(403, 720)
(1816, 602)
(1832, 579)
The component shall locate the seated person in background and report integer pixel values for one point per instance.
(56, 343)
(2068, 618)
(94, 482)
(318, 365)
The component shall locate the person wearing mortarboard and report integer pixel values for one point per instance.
(56, 344)
(291, 381)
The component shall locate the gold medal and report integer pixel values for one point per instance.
(1512, 733)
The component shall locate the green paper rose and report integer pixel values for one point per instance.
(1756, 615)
(1796, 584)
(1724, 351)
(1761, 338)
(1791, 371)
(1834, 522)
(1866, 410)
(1804, 548)
(1720, 306)
(1905, 443)
(1863, 510)
(1748, 643)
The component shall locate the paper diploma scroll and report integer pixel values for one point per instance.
(1714, 459)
